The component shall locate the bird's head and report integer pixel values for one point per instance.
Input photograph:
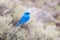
(27, 13)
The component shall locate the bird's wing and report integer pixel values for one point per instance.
(24, 19)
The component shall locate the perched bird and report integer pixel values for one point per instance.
(25, 18)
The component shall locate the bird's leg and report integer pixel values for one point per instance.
(25, 26)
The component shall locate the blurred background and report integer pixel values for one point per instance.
(44, 23)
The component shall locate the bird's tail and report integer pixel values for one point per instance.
(18, 24)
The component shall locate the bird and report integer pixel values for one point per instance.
(25, 18)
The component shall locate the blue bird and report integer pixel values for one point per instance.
(25, 18)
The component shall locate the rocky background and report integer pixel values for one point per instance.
(43, 25)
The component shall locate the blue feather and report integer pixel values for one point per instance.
(25, 18)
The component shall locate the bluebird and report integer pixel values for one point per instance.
(25, 18)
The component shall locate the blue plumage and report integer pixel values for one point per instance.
(25, 18)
